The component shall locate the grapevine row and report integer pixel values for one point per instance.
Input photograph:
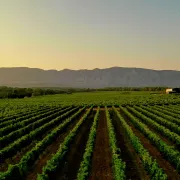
(5, 140)
(54, 163)
(23, 115)
(163, 130)
(20, 170)
(118, 165)
(174, 108)
(27, 139)
(162, 115)
(19, 124)
(169, 111)
(150, 165)
(84, 170)
(170, 153)
(173, 127)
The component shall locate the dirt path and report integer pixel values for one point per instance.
(134, 166)
(75, 155)
(153, 151)
(101, 161)
(50, 150)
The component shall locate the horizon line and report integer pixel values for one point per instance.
(92, 69)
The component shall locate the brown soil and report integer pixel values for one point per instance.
(153, 151)
(75, 155)
(102, 158)
(102, 109)
(164, 125)
(134, 166)
(50, 150)
(169, 142)
(17, 157)
(26, 131)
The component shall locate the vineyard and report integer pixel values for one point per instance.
(54, 139)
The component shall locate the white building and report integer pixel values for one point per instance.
(168, 91)
(173, 90)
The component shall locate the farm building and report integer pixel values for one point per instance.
(172, 90)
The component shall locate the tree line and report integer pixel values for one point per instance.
(133, 89)
(10, 92)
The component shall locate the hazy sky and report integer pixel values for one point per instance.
(85, 34)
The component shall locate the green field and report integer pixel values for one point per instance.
(104, 135)
(97, 98)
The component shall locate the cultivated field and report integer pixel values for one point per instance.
(102, 136)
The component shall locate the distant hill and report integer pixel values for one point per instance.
(97, 78)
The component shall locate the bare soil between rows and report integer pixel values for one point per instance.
(134, 167)
(51, 150)
(165, 139)
(154, 152)
(17, 157)
(74, 157)
(102, 158)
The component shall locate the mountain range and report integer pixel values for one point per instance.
(96, 78)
